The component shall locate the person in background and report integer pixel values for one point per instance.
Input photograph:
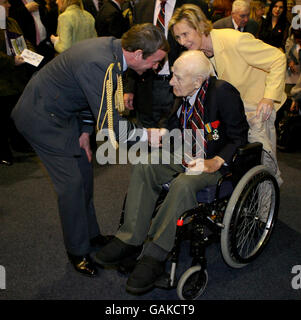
(110, 20)
(53, 13)
(274, 29)
(289, 14)
(93, 6)
(239, 19)
(14, 75)
(257, 9)
(33, 19)
(293, 56)
(74, 25)
(221, 9)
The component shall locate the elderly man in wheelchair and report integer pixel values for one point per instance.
(200, 194)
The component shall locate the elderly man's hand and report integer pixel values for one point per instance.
(154, 137)
(128, 99)
(265, 107)
(199, 165)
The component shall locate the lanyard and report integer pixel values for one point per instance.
(187, 113)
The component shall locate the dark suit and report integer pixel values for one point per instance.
(48, 115)
(90, 7)
(222, 103)
(110, 21)
(26, 22)
(227, 23)
(149, 101)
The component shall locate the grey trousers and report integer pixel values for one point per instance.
(144, 189)
(73, 182)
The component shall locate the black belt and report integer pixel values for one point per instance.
(163, 77)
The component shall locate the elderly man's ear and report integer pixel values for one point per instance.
(198, 82)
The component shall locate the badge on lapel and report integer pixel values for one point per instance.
(211, 130)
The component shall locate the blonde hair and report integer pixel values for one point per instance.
(254, 5)
(194, 16)
(67, 3)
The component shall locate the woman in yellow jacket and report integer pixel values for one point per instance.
(74, 24)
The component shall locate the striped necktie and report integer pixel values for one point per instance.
(161, 16)
(192, 117)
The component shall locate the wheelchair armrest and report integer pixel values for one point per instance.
(250, 148)
(246, 157)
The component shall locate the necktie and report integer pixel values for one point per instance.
(161, 16)
(192, 119)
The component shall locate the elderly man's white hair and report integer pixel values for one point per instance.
(196, 63)
(240, 5)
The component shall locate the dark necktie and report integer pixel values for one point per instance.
(161, 16)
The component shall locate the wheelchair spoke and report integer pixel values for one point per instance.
(249, 217)
(250, 229)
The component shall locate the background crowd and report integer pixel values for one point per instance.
(51, 26)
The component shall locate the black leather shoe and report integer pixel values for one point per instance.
(116, 251)
(100, 240)
(147, 271)
(83, 264)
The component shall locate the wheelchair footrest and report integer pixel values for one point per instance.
(164, 282)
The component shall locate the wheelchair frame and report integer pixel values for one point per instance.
(228, 219)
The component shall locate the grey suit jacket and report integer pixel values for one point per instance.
(227, 23)
(48, 111)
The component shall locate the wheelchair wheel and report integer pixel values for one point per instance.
(192, 283)
(249, 217)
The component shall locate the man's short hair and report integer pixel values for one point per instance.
(145, 37)
(240, 5)
(194, 16)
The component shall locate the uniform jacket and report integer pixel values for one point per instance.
(251, 26)
(48, 111)
(243, 60)
(74, 25)
(222, 103)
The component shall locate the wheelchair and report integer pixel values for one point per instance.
(239, 212)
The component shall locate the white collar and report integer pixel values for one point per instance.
(236, 26)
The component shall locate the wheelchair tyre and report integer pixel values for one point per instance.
(192, 283)
(249, 217)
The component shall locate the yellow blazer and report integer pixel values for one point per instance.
(256, 69)
(74, 25)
